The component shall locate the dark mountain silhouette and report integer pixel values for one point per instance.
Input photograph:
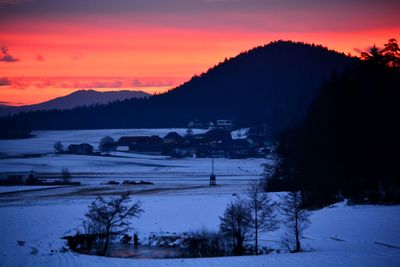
(271, 84)
(75, 99)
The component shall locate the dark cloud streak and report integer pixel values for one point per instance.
(5, 82)
(6, 57)
(139, 83)
(40, 57)
(6, 3)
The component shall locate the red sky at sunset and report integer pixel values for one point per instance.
(51, 48)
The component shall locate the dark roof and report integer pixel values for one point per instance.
(155, 139)
(127, 140)
(83, 145)
(83, 148)
(219, 135)
(173, 135)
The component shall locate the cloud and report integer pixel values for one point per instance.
(5, 3)
(76, 84)
(40, 57)
(138, 83)
(94, 84)
(5, 82)
(20, 84)
(44, 84)
(77, 56)
(6, 57)
(27, 83)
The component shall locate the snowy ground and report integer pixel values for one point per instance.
(180, 200)
(338, 236)
(43, 141)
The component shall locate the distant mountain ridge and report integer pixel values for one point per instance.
(76, 99)
(272, 84)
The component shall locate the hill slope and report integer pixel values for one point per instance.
(274, 83)
(76, 99)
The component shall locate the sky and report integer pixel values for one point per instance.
(50, 48)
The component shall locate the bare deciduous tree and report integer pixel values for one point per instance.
(295, 218)
(262, 210)
(107, 218)
(235, 225)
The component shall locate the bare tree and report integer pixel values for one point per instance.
(235, 224)
(262, 210)
(107, 143)
(107, 218)
(296, 219)
(58, 147)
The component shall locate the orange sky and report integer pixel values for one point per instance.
(52, 50)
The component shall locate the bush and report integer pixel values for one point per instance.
(206, 243)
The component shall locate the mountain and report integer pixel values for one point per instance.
(76, 99)
(271, 84)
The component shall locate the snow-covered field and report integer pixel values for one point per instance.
(338, 236)
(180, 200)
(43, 141)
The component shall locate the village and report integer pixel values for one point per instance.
(219, 141)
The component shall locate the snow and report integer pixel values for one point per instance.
(40, 223)
(240, 133)
(179, 201)
(129, 163)
(17, 188)
(43, 141)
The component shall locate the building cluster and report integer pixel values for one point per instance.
(217, 142)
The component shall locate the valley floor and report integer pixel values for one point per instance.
(33, 219)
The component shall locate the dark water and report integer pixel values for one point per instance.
(120, 250)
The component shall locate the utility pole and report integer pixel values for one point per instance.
(213, 180)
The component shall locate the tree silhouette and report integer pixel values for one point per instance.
(109, 217)
(349, 143)
(295, 218)
(107, 143)
(235, 224)
(262, 211)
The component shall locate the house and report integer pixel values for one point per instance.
(151, 144)
(124, 142)
(225, 124)
(219, 136)
(140, 143)
(172, 145)
(240, 148)
(81, 149)
(172, 138)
